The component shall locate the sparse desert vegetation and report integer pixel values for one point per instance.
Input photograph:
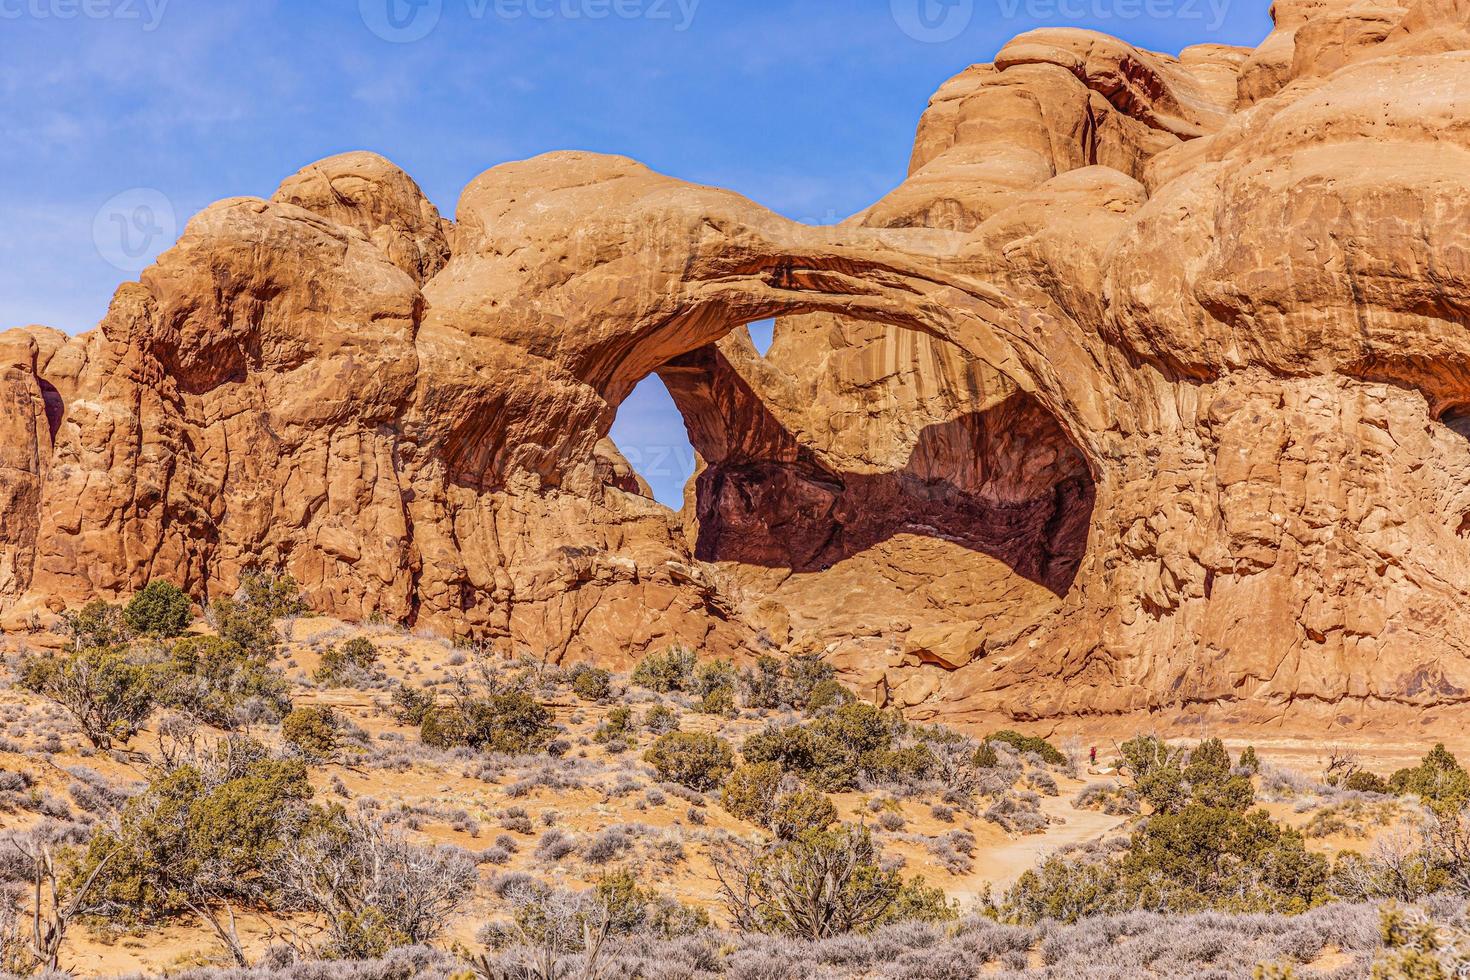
(260, 792)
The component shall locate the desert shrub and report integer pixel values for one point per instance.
(554, 845)
(954, 850)
(607, 845)
(908, 765)
(670, 670)
(696, 760)
(803, 672)
(273, 593)
(720, 702)
(834, 751)
(200, 838)
(1366, 781)
(617, 726)
(827, 694)
(97, 624)
(823, 883)
(509, 721)
(1249, 761)
(1415, 947)
(350, 663)
(1063, 888)
(750, 792)
(1049, 753)
(215, 679)
(108, 691)
(591, 683)
(985, 756)
(660, 719)
(1209, 857)
(1438, 780)
(411, 705)
(159, 609)
(246, 627)
(373, 888)
(800, 811)
(713, 675)
(1017, 813)
(762, 685)
(314, 731)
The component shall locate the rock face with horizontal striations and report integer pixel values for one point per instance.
(1148, 391)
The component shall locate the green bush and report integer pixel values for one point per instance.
(275, 594)
(1049, 753)
(106, 690)
(801, 811)
(822, 884)
(591, 683)
(986, 757)
(660, 718)
(97, 624)
(1249, 761)
(617, 725)
(1206, 857)
(199, 836)
(1438, 780)
(247, 627)
(411, 705)
(511, 721)
(720, 702)
(1064, 890)
(832, 751)
(671, 670)
(910, 764)
(1366, 781)
(917, 901)
(213, 679)
(714, 675)
(1201, 858)
(159, 609)
(827, 694)
(694, 759)
(315, 732)
(750, 792)
(346, 664)
(804, 671)
(763, 685)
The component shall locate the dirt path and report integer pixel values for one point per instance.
(1000, 866)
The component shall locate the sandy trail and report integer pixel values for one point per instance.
(1000, 866)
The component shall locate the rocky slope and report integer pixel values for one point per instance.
(1148, 390)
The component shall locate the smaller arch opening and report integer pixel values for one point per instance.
(763, 335)
(650, 436)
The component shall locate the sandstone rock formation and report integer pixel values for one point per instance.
(1147, 391)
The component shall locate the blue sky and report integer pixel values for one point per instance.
(121, 118)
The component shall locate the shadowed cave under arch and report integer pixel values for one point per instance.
(1006, 482)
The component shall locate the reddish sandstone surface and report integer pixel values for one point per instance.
(1148, 390)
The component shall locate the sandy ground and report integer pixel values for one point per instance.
(443, 801)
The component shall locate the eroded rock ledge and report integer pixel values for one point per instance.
(1146, 391)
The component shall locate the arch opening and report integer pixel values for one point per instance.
(648, 434)
(1005, 482)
